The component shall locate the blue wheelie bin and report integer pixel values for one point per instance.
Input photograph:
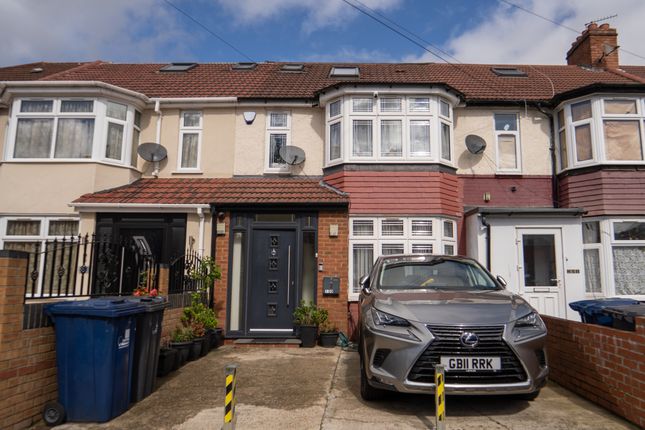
(95, 342)
(592, 311)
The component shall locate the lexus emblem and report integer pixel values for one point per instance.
(469, 339)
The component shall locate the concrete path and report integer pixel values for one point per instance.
(318, 389)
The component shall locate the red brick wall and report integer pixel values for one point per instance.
(27, 357)
(221, 258)
(530, 191)
(332, 253)
(602, 364)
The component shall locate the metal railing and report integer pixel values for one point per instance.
(181, 272)
(89, 266)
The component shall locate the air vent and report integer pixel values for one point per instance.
(508, 72)
(344, 72)
(244, 66)
(293, 67)
(379, 357)
(178, 67)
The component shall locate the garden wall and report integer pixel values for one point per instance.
(602, 364)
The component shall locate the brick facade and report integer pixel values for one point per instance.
(27, 357)
(221, 258)
(602, 364)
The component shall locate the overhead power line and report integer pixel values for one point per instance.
(220, 38)
(559, 24)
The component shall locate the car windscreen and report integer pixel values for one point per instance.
(434, 274)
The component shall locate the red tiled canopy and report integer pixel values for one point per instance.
(220, 191)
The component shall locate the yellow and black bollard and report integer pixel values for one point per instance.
(229, 399)
(440, 397)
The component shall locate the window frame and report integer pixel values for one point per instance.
(183, 130)
(515, 133)
(282, 168)
(99, 137)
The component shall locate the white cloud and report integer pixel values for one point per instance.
(319, 13)
(76, 30)
(350, 55)
(510, 35)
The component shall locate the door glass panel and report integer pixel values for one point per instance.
(237, 275)
(308, 266)
(592, 271)
(275, 217)
(539, 260)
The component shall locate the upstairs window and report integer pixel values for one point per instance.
(601, 130)
(190, 137)
(278, 134)
(72, 129)
(508, 142)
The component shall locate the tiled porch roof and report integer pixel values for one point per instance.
(220, 191)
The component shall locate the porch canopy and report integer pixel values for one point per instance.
(219, 192)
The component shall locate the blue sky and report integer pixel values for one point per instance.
(482, 31)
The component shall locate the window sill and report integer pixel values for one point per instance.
(187, 172)
(70, 161)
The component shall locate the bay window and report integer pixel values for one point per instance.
(70, 129)
(372, 237)
(601, 130)
(388, 128)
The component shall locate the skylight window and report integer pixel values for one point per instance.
(244, 66)
(178, 67)
(508, 72)
(293, 67)
(344, 72)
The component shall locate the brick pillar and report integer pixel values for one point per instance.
(164, 279)
(221, 259)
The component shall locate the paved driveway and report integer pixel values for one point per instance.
(318, 389)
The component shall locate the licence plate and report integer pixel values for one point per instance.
(471, 364)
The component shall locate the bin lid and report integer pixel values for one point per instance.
(150, 304)
(627, 310)
(100, 307)
(597, 305)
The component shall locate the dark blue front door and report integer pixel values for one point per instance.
(272, 282)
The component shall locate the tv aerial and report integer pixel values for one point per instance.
(475, 144)
(154, 153)
(292, 155)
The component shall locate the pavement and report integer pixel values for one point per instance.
(299, 388)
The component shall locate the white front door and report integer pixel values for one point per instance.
(540, 271)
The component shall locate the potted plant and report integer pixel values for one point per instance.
(308, 317)
(182, 340)
(193, 316)
(168, 359)
(207, 317)
(328, 335)
(206, 273)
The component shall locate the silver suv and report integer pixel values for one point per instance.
(417, 311)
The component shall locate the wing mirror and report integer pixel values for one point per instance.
(501, 280)
(365, 284)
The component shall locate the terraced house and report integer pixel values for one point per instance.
(297, 176)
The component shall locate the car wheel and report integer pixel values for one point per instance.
(368, 392)
(53, 414)
(529, 396)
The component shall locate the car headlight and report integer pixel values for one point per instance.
(528, 326)
(392, 325)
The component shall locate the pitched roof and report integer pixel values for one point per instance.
(220, 191)
(267, 80)
(32, 72)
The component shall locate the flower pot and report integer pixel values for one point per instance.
(308, 335)
(216, 338)
(183, 349)
(206, 343)
(328, 340)
(195, 348)
(167, 361)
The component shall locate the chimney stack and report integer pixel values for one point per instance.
(597, 46)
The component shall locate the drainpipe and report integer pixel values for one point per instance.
(488, 240)
(200, 213)
(155, 172)
(554, 173)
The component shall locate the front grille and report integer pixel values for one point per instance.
(490, 344)
(379, 357)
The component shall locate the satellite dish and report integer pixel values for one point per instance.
(292, 155)
(151, 151)
(475, 144)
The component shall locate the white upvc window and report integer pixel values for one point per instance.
(278, 137)
(389, 128)
(190, 141)
(136, 134)
(596, 130)
(371, 237)
(507, 139)
(71, 129)
(30, 234)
